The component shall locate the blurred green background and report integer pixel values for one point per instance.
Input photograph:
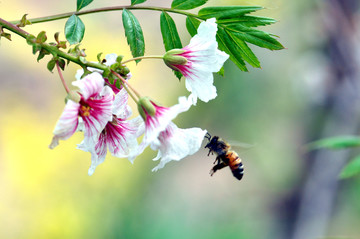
(47, 193)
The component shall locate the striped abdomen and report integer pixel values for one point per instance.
(235, 164)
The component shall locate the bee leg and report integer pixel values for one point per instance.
(217, 160)
(217, 167)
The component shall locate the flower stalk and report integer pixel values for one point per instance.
(142, 57)
(62, 77)
(126, 85)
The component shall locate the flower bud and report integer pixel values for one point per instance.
(173, 58)
(145, 106)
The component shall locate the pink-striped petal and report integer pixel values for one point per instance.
(67, 123)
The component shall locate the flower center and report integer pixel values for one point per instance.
(85, 110)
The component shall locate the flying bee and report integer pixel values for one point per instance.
(225, 156)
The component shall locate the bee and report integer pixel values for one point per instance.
(225, 156)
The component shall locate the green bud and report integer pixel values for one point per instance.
(171, 58)
(145, 105)
(74, 96)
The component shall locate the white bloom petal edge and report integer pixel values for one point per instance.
(175, 144)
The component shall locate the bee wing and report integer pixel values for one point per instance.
(240, 145)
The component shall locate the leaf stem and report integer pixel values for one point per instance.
(62, 77)
(105, 9)
(142, 57)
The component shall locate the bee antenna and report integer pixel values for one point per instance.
(208, 136)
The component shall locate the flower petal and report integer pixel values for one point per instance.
(176, 144)
(90, 85)
(99, 115)
(120, 107)
(67, 123)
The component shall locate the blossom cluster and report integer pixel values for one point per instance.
(100, 109)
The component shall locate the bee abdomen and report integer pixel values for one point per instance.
(238, 172)
(236, 166)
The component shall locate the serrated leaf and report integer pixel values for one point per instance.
(170, 35)
(227, 11)
(226, 45)
(169, 32)
(253, 36)
(82, 3)
(134, 34)
(192, 24)
(335, 143)
(74, 30)
(351, 169)
(51, 65)
(244, 50)
(248, 21)
(187, 4)
(134, 2)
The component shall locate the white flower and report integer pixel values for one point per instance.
(155, 124)
(202, 58)
(94, 109)
(119, 135)
(175, 144)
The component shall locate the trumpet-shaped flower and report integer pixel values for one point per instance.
(198, 60)
(175, 144)
(119, 135)
(158, 121)
(94, 109)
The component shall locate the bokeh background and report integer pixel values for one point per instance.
(308, 91)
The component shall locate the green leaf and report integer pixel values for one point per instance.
(227, 11)
(82, 3)
(24, 21)
(42, 53)
(248, 21)
(178, 74)
(170, 35)
(244, 50)
(226, 44)
(4, 34)
(74, 30)
(187, 4)
(335, 143)
(51, 65)
(41, 37)
(169, 32)
(351, 169)
(62, 63)
(134, 2)
(134, 34)
(192, 25)
(256, 37)
(221, 72)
